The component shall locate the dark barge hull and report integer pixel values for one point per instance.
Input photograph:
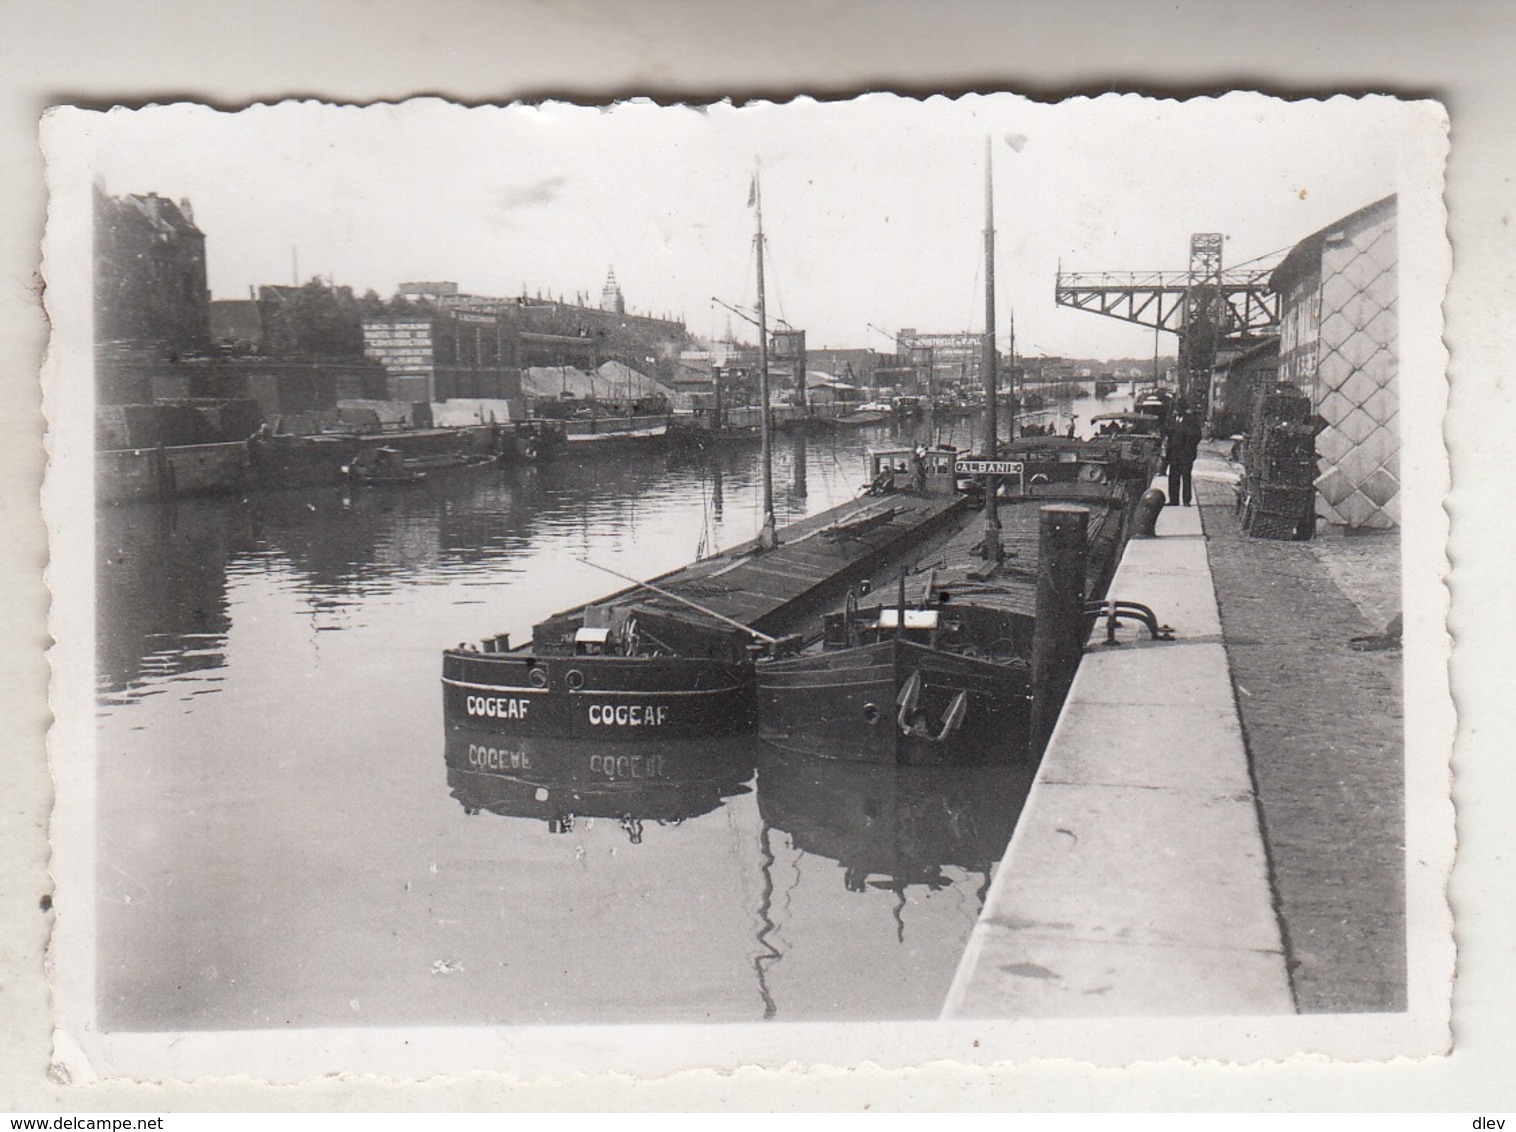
(606, 434)
(845, 705)
(546, 690)
(844, 702)
(700, 437)
(284, 461)
(864, 419)
(597, 697)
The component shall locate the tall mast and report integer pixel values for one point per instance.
(992, 548)
(766, 536)
(1015, 393)
(990, 377)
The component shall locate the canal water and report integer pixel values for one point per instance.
(282, 841)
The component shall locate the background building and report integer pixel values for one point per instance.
(477, 346)
(1239, 374)
(956, 359)
(150, 286)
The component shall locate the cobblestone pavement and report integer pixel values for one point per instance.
(1325, 736)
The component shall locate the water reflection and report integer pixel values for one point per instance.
(164, 570)
(872, 879)
(562, 781)
(231, 898)
(892, 828)
(161, 573)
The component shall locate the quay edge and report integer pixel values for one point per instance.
(1137, 879)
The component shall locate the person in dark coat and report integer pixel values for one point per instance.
(1181, 446)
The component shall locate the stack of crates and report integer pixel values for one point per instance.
(1279, 496)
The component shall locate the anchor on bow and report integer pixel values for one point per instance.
(913, 721)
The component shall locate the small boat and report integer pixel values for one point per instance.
(279, 460)
(865, 414)
(957, 408)
(529, 441)
(593, 433)
(1127, 424)
(1155, 401)
(1044, 422)
(716, 425)
(910, 408)
(692, 435)
(375, 467)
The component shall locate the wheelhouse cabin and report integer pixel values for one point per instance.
(926, 471)
(974, 627)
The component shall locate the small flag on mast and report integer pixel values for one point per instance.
(752, 191)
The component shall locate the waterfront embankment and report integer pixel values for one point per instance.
(1215, 826)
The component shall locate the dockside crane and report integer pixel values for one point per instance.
(747, 315)
(1204, 306)
(788, 344)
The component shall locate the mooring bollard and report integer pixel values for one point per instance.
(1058, 636)
(1145, 518)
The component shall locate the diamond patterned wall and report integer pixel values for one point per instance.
(1357, 370)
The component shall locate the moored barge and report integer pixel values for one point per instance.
(673, 657)
(943, 674)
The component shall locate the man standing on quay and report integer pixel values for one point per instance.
(1181, 446)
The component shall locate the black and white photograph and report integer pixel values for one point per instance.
(552, 587)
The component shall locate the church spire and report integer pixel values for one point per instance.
(610, 295)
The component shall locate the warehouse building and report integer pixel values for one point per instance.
(1338, 341)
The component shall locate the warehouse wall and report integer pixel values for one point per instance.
(1357, 373)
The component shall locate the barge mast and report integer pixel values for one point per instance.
(767, 538)
(993, 551)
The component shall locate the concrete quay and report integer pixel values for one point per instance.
(1211, 831)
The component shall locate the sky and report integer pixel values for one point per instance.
(873, 208)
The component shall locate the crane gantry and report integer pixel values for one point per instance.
(1205, 306)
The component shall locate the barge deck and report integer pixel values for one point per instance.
(673, 657)
(944, 677)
